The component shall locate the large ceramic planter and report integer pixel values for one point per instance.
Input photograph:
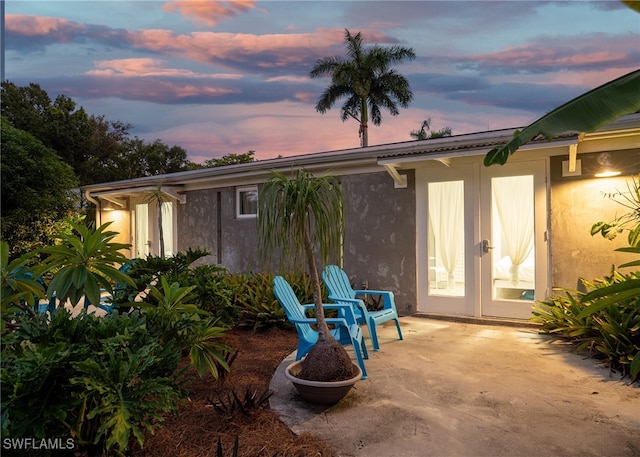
(320, 392)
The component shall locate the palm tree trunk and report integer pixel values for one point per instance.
(323, 329)
(364, 120)
(160, 231)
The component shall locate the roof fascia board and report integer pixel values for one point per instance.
(445, 155)
(170, 191)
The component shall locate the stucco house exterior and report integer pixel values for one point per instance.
(424, 219)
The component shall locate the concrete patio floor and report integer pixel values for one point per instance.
(464, 389)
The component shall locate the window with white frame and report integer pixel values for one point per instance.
(247, 202)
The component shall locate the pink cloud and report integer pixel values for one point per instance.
(283, 49)
(588, 51)
(42, 26)
(209, 12)
(144, 67)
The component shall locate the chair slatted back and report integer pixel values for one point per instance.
(337, 282)
(292, 307)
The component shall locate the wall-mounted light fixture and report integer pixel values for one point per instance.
(606, 168)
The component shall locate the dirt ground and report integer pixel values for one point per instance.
(196, 431)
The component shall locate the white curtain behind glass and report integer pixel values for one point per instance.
(167, 228)
(446, 219)
(142, 231)
(513, 201)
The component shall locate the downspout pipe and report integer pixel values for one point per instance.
(88, 196)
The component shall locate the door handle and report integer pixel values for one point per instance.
(486, 246)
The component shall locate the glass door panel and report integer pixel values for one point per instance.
(167, 228)
(446, 238)
(446, 226)
(142, 241)
(513, 247)
(512, 225)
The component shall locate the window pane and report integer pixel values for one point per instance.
(248, 202)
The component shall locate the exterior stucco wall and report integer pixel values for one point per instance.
(576, 204)
(208, 220)
(380, 244)
(197, 221)
(238, 242)
(120, 222)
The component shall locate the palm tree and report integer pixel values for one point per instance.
(366, 81)
(426, 126)
(296, 217)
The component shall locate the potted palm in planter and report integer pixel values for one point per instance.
(298, 219)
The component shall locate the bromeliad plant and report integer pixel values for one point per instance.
(296, 217)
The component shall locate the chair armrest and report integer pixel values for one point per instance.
(353, 302)
(333, 320)
(387, 297)
(346, 308)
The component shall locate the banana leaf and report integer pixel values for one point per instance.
(586, 113)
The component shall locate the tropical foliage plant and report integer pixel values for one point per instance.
(629, 221)
(605, 320)
(610, 333)
(99, 380)
(257, 304)
(84, 262)
(158, 197)
(20, 289)
(185, 325)
(585, 113)
(367, 82)
(299, 218)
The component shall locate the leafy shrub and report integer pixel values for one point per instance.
(213, 290)
(258, 306)
(97, 380)
(610, 333)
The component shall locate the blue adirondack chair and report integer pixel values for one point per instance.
(346, 330)
(340, 291)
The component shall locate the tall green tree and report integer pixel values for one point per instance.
(367, 82)
(230, 159)
(37, 190)
(99, 150)
(139, 158)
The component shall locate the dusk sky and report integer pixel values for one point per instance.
(226, 77)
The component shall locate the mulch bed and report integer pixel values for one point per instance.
(199, 426)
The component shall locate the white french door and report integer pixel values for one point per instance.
(482, 247)
(513, 246)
